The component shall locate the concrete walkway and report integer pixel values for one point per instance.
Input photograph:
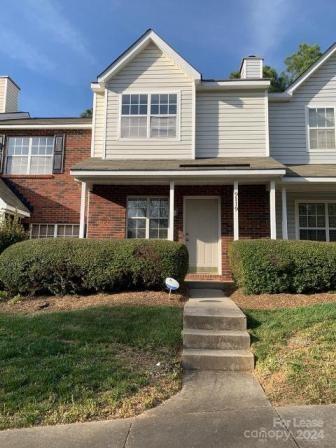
(213, 410)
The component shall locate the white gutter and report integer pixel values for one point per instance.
(300, 180)
(233, 84)
(8, 208)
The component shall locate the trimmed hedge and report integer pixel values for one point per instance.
(268, 266)
(70, 266)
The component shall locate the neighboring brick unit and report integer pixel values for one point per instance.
(53, 198)
(107, 211)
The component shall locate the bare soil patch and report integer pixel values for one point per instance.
(45, 304)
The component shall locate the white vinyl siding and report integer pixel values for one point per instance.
(99, 125)
(149, 72)
(3, 95)
(230, 124)
(252, 68)
(288, 130)
(12, 97)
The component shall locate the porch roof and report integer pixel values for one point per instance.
(10, 202)
(95, 164)
(316, 170)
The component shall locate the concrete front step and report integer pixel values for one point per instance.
(226, 360)
(213, 322)
(220, 339)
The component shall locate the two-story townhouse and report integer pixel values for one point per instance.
(172, 155)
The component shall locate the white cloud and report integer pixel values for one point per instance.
(51, 20)
(269, 22)
(19, 49)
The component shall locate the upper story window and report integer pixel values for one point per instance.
(321, 128)
(29, 155)
(149, 116)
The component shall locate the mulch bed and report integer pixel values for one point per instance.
(44, 304)
(274, 301)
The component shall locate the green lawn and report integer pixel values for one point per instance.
(87, 364)
(296, 353)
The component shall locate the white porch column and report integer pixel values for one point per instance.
(284, 214)
(235, 210)
(272, 210)
(171, 210)
(82, 210)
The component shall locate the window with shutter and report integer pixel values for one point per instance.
(2, 152)
(58, 154)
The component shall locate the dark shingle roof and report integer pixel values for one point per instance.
(10, 198)
(46, 121)
(311, 170)
(246, 163)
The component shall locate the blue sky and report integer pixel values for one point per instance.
(55, 48)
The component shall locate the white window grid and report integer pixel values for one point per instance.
(327, 227)
(148, 217)
(320, 128)
(165, 117)
(37, 160)
(54, 230)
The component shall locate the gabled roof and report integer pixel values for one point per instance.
(310, 70)
(140, 44)
(9, 202)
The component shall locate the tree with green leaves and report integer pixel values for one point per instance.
(296, 64)
(303, 58)
(87, 113)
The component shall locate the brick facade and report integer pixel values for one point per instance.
(53, 198)
(56, 199)
(107, 211)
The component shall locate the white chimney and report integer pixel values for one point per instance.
(9, 95)
(251, 68)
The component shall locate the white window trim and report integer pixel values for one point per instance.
(55, 228)
(29, 155)
(318, 106)
(150, 92)
(312, 201)
(148, 198)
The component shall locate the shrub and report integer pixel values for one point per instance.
(60, 266)
(11, 231)
(266, 266)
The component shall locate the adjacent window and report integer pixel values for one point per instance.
(317, 221)
(321, 128)
(147, 217)
(54, 231)
(29, 155)
(149, 115)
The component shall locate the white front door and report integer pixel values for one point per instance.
(202, 234)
